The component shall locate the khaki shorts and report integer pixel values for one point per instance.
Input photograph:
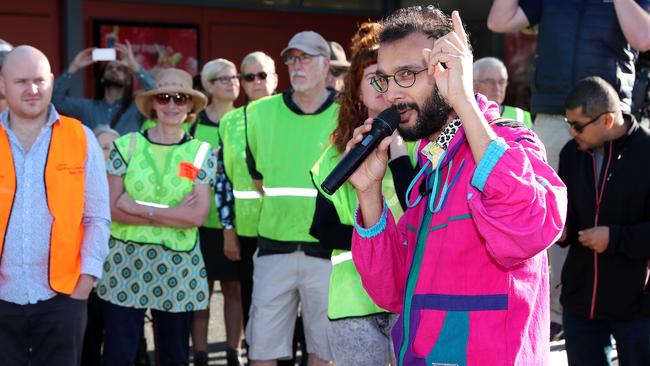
(280, 283)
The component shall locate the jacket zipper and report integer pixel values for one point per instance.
(599, 198)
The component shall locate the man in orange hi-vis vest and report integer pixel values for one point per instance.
(54, 218)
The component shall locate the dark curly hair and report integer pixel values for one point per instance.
(353, 112)
(428, 20)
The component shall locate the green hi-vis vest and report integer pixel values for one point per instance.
(285, 146)
(167, 188)
(151, 123)
(248, 201)
(209, 132)
(517, 114)
(347, 297)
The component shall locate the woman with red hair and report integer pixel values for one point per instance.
(359, 329)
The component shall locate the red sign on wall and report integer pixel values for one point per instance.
(155, 47)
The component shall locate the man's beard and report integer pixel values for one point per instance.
(432, 117)
(112, 83)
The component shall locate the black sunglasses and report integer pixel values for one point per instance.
(336, 72)
(251, 77)
(579, 127)
(179, 99)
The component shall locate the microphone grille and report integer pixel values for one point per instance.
(390, 116)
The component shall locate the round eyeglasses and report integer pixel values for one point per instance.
(404, 78)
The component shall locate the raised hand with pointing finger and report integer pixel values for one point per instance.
(454, 79)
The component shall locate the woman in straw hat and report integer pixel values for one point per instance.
(160, 181)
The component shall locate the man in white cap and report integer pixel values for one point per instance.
(339, 65)
(286, 134)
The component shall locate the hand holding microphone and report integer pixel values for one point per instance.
(366, 154)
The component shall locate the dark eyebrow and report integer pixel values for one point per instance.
(401, 68)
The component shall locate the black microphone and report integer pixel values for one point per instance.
(382, 126)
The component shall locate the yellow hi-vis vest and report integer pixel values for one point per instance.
(347, 297)
(145, 184)
(248, 201)
(285, 146)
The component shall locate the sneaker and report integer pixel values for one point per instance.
(200, 358)
(557, 332)
(232, 357)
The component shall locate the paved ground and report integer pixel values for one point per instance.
(217, 337)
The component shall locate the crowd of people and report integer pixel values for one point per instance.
(446, 246)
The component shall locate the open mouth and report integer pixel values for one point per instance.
(404, 111)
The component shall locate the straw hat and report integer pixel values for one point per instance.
(171, 80)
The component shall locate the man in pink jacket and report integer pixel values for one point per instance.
(466, 266)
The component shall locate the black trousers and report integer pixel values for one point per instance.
(52, 329)
(247, 250)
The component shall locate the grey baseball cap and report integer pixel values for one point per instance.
(308, 42)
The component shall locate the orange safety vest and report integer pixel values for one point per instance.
(64, 187)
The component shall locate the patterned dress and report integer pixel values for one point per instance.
(153, 276)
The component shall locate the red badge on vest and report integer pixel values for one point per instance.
(188, 170)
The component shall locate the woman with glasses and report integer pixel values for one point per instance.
(221, 82)
(258, 79)
(359, 329)
(159, 181)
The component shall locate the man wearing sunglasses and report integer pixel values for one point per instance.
(465, 267)
(339, 65)
(605, 290)
(286, 134)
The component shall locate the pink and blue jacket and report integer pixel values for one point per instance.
(466, 266)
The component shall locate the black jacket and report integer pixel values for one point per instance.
(619, 274)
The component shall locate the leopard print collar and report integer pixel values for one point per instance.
(448, 134)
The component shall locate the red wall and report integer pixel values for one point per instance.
(33, 22)
(227, 33)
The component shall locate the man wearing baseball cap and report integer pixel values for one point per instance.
(286, 134)
(339, 65)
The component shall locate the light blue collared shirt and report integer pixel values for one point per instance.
(24, 275)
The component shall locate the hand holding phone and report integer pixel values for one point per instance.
(104, 54)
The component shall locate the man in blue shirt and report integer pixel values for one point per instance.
(46, 276)
(114, 94)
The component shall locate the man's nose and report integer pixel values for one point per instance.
(394, 94)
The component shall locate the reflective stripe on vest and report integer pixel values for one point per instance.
(246, 195)
(65, 185)
(208, 132)
(520, 114)
(340, 258)
(290, 192)
(201, 154)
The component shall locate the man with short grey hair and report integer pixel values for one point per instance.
(286, 134)
(491, 80)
